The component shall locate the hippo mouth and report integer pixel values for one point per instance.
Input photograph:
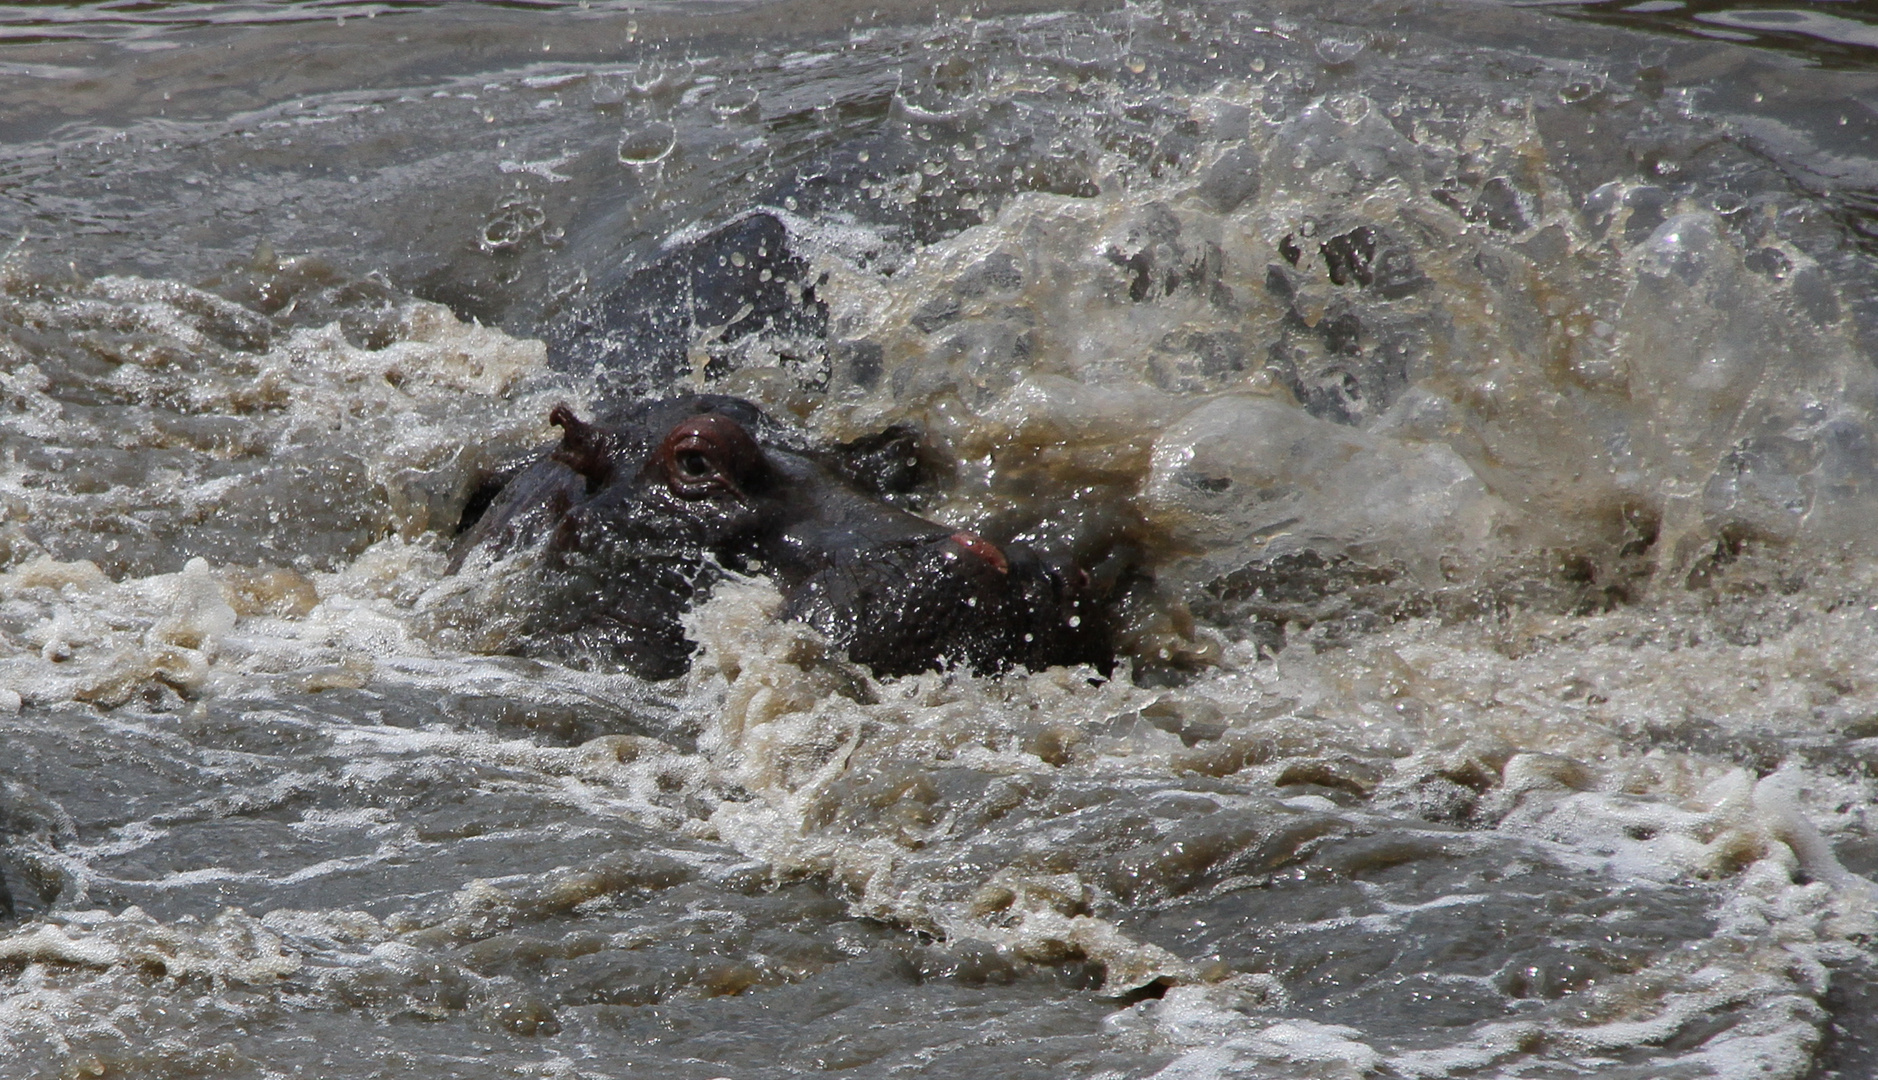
(634, 517)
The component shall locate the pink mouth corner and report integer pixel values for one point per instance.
(984, 549)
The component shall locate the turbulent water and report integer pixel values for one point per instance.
(1488, 392)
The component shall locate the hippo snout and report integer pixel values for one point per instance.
(957, 598)
(632, 519)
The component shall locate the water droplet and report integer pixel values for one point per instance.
(649, 76)
(608, 94)
(1583, 88)
(510, 224)
(647, 144)
(733, 101)
(1334, 51)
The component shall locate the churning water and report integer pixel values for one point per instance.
(1489, 391)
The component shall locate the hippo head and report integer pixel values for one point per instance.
(635, 516)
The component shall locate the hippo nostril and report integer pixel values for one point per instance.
(984, 549)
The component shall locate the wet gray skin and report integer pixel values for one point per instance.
(637, 515)
(1489, 391)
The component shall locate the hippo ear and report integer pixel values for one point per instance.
(709, 454)
(584, 448)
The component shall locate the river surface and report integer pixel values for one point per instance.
(1486, 393)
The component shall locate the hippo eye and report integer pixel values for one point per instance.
(706, 454)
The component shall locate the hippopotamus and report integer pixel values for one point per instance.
(635, 515)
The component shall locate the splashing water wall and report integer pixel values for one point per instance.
(1494, 422)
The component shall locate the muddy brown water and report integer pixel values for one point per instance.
(1488, 389)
